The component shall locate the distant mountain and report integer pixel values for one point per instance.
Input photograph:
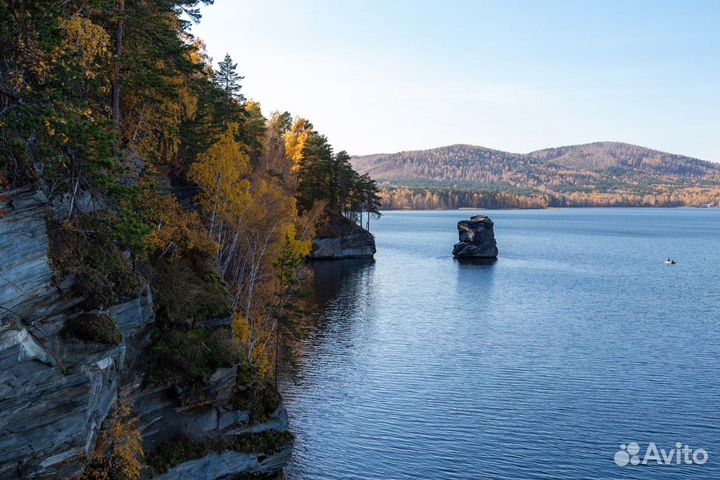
(604, 156)
(595, 174)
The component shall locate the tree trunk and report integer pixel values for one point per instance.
(277, 354)
(118, 52)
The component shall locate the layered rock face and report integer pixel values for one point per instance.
(342, 238)
(477, 239)
(54, 395)
(56, 392)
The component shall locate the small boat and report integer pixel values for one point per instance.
(669, 261)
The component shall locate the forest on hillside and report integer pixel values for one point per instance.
(594, 175)
(114, 111)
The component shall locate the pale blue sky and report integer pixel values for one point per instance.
(384, 76)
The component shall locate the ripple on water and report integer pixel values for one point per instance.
(538, 366)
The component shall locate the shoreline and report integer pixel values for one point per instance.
(547, 208)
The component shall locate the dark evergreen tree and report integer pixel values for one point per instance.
(331, 179)
(227, 78)
(226, 98)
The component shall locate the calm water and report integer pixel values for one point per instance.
(539, 366)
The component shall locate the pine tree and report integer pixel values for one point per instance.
(227, 78)
(229, 103)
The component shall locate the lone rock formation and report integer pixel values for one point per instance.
(477, 239)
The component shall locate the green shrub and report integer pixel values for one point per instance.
(187, 359)
(255, 394)
(131, 230)
(93, 327)
(188, 290)
(84, 247)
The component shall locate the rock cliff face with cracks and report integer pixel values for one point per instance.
(341, 238)
(57, 392)
(477, 239)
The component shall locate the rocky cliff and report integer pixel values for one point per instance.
(57, 389)
(341, 238)
(477, 239)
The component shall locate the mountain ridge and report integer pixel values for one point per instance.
(572, 145)
(593, 174)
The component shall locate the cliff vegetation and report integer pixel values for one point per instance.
(170, 221)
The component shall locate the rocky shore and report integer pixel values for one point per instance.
(58, 391)
(340, 239)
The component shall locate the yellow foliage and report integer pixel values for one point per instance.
(86, 41)
(241, 328)
(221, 172)
(274, 202)
(267, 230)
(254, 219)
(254, 110)
(298, 247)
(295, 141)
(309, 220)
(173, 226)
(260, 355)
(118, 453)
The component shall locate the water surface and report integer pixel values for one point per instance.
(578, 339)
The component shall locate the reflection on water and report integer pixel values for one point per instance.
(335, 277)
(483, 262)
(537, 366)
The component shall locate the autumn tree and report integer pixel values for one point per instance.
(119, 453)
(275, 159)
(251, 257)
(221, 174)
(295, 139)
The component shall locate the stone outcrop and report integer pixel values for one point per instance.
(227, 463)
(342, 238)
(62, 207)
(477, 239)
(25, 274)
(56, 391)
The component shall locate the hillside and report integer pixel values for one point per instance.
(601, 156)
(596, 174)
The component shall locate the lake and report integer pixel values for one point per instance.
(578, 340)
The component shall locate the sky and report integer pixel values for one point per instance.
(385, 76)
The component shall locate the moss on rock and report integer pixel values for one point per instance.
(255, 394)
(93, 327)
(188, 290)
(84, 247)
(186, 359)
(171, 454)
